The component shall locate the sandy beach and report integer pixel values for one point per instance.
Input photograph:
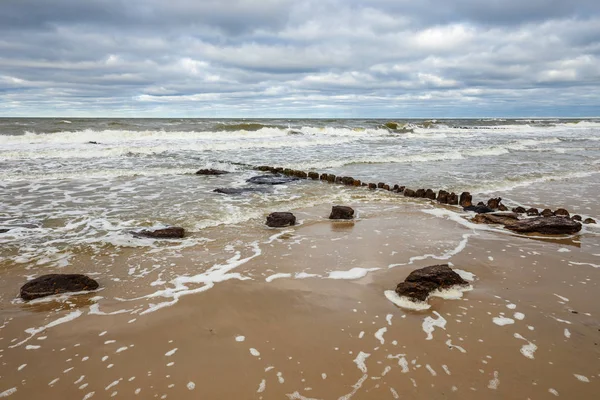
(304, 316)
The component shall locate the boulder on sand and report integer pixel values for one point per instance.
(173, 232)
(341, 212)
(419, 283)
(211, 172)
(442, 197)
(465, 199)
(452, 199)
(281, 219)
(48, 285)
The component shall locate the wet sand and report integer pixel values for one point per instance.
(252, 334)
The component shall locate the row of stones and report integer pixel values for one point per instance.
(443, 197)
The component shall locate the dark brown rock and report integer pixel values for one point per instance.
(396, 188)
(323, 177)
(313, 175)
(48, 285)
(271, 179)
(465, 199)
(481, 204)
(338, 179)
(300, 174)
(494, 203)
(519, 210)
(421, 282)
(173, 232)
(547, 213)
(410, 193)
(386, 187)
(341, 212)
(416, 291)
(242, 190)
(211, 172)
(401, 189)
(502, 207)
(576, 217)
(589, 221)
(357, 182)
(4, 230)
(372, 186)
(533, 212)
(452, 199)
(348, 180)
(442, 197)
(420, 193)
(281, 219)
(478, 209)
(264, 168)
(493, 218)
(561, 212)
(380, 185)
(546, 225)
(429, 194)
(331, 178)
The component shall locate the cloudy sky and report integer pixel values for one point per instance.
(290, 58)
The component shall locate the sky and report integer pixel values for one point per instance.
(290, 58)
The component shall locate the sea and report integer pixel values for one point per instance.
(67, 183)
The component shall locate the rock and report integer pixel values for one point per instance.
(547, 213)
(48, 285)
(93, 142)
(338, 179)
(519, 210)
(420, 193)
(211, 172)
(323, 177)
(478, 209)
(419, 283)
(300, 174)
(396, 188)
(589, 221)
(561, 212)
(401, 189)
(357, 182)
(493, 218)
(546, 225)
(429, 194)
(380, 185)
(372, 186)
(4, 230)
(242, 190)
(173, 232)
(341, 212)
(386, 187)
(494, 203)
(465, 199)
(271, 179)
(410, 193)
(481, 204)
(452, 199)
(264, 168)
(442, 197)
(281, 219)
(502, 207)
(533, 212)
(348, 181)
(576, 217)
(313, 175)
(331, 178)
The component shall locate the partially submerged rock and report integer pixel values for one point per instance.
(465, 199)
(519, 210)
(410, 193)
(341, 212)
(495, 218)
(281, 219)
(211, 171)
(561, 212)
(173, 232)
(4, 230)
(420, 283)
(494, 203)
(546, 225)
(576, 217)
(478, 209)
(547, 213)
(242, 190)
(52, 284)
(533, 212)
(272, 179)
(589, 221)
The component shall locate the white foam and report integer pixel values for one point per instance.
(430, 323)
(467, 276)
(451, 293)
(402, 362)
(519, 316)
(388, 318)
(502, 321)
(459, 348)
(567, 333)
(564, 250)
(34, 331)
(21, 367)
(582, 378)
(354, 273)
(528, 349)
(240, 338)
(379, 335)
(431, 370)
(8, 392)
(394, 393)
(561, 297)
(494, 383)
(171, 352)
(405, 302)
(511, 306)
(271, 278)
(360, 361)
(553, 391)
(254, 352)
(191, 385)
(262, 386)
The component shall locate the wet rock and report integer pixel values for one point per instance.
(494, 203)
(301, 174)
(481, 204)
(338, 179)
(576, 217)
(211, 172)
(174, 232)
(271, 179)
(410, 193)
(264, 168)
(533, 212)
(420, 193)
(429, 194)
(465, 199)
(348, 180)
(442, 197)
(561, 212)
(452, 199)
(331, 178)
(341, 212)
(380, 185)
(545, 225)
(401, 189)
(93, 142)
(372, 186)
(589, 221)
(494, 218)
(313, 175)
(323, 177)
(419, 283)
(396, 188)
(281, 219)
(519, 210)
(386, 187)
(48, 285)
(4, 230)
(502, 207)
(242, 190)
(547, 213)
(357, 182)
(478, 209)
